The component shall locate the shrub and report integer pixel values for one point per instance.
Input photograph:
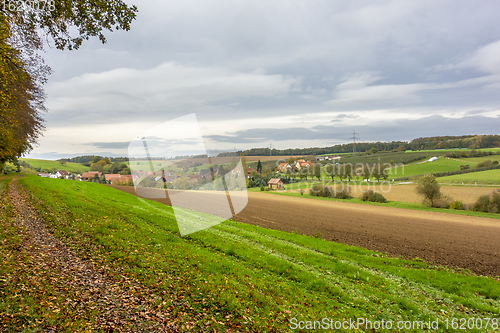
(458, 205)
(343, 193)
(377, 197)
(495, 162)
(373, 197)
(366, 195)
(262, 187)
(481, 205)
(29, 171)
(488, 204)
(318, 190)
(430, 189)
(495, 202)
(340, 192)
(483, 164)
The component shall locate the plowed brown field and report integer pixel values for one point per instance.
(441, 238)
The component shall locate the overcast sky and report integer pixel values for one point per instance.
(297, 73)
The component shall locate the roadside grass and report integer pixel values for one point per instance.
(395, 204)
(249, 277)
(440, 165)
(488, 177)
(50, 165)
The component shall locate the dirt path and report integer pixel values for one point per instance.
(105, 303)
(446, 239)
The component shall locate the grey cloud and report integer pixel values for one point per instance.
(378, 131)
(260, 59)
(110, 145)
(342, 116)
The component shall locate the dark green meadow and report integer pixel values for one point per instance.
(234, 276)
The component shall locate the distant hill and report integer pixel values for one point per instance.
(49, 166)
(427, 143)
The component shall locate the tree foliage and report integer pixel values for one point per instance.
(65, 24)
(429, 188)
(21, 98)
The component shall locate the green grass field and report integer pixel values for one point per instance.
(440, 165)
(452, 150)
(475, 160)
(51, 165)
(242, 274)
(481, 177)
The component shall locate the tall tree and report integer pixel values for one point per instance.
(316, 170)
(259, 167)
(63, 23)
(330, 170)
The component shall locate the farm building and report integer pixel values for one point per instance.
(196, 177)
(90, 174)
(62, 173)
(284, 167)
(249, 172)
(275, 184)
(207, 173)
(118, 178)
(303, 164)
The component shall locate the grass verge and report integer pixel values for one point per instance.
(238, 276)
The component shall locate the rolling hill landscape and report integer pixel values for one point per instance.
(262, 267)
(249, 166)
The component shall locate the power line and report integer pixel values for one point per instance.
(270, 148)
(354, 137)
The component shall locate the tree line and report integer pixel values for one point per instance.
(427, 143)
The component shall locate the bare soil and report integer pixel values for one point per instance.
(450, 240)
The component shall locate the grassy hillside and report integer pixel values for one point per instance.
(51, 165)
(440, 165)
(439, 151)
(481, 177)
(475, 160)
(245, 277)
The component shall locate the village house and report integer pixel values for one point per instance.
(62, 173)
(326, 158)
(302, 164)
(207, 173)
(90, 174)
(275, 184)
(117, 178)
(284, 167)
(196, 177)
(249, 172)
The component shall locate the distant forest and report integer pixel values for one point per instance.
(86, 159)
(434, 142)
(428, 143)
